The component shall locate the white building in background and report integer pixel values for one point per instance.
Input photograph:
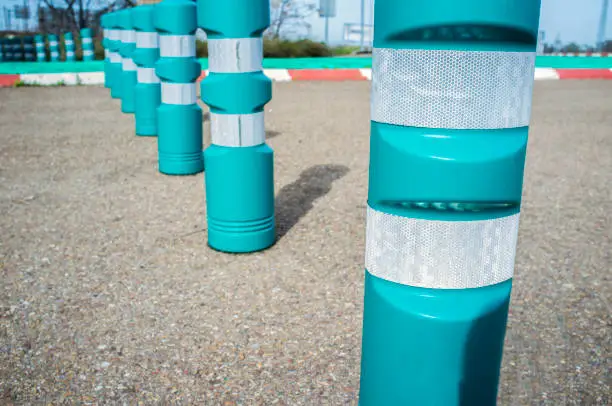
(345, 27)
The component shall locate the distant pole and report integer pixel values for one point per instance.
(326, 29)
(362, 25)
(603, 19)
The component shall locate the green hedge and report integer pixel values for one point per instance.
(273, 48)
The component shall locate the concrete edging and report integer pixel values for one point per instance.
(277, 75)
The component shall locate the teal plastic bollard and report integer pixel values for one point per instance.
(108, 70)
(148, 89)
(28, 49)
(239, 164)
(179, 118)
(40, 48)
(127, 47)
(18, 49)
(114, 56)
(53, 48)
(2, 51)
(451, 102)
(87, 45)
(69, 47)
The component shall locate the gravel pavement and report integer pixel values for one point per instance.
(110, 295)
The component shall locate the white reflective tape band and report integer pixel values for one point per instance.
(114, 35)
(178, 93)
(87, 52)
(52, 43)
(237, 130)
(68, 42)
(452, 89)
(235, 55)
(177, 45)
(147, 75)
(28, 46)
(106, 53)
(86, 40)
(40, 54)
(114, 57)
(440, 254)
(126, 64)
(147, 40)
(54, 54)
(105, 32)
(39, 45)
(69, 53)
(128, 36)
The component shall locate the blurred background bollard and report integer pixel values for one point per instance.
(179, 118)
(147, 90)
(451, 102)
(87, 45)
(128, 75)
(69, 46)
(114, 45)
(53, 48)
(239, 164)
(105, 44)
(28, 49)
(40, 48)
(18, 49)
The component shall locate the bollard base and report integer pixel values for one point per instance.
(432, 346)
(115, 73)
(241, 237)
(240, 198)
(128, 82)
(180, 165)
(147, 100)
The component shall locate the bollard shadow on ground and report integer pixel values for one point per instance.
(482, 358)
(295, 200)
(272, 134)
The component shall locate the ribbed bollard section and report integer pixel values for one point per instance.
(179, 118)
(69, 47)
(239, 164)
(147, 90)
(451, 101)
(28, 49)
(40, 48)
(53, 48)
(128, 75)
(87, 45)
(114, 56)
(108, 70)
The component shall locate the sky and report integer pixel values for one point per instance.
(574, 20)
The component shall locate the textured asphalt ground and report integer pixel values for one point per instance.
(110, 295)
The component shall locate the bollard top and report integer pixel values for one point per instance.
(86, 32)
(509, 25)
(177, 17)
(143, 18)
(124, 18)
(38, 38)
(52, 37)
(233, 18)
(68, 35)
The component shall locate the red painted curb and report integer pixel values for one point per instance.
(584, 73)
(8, 80)
(326, 74)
